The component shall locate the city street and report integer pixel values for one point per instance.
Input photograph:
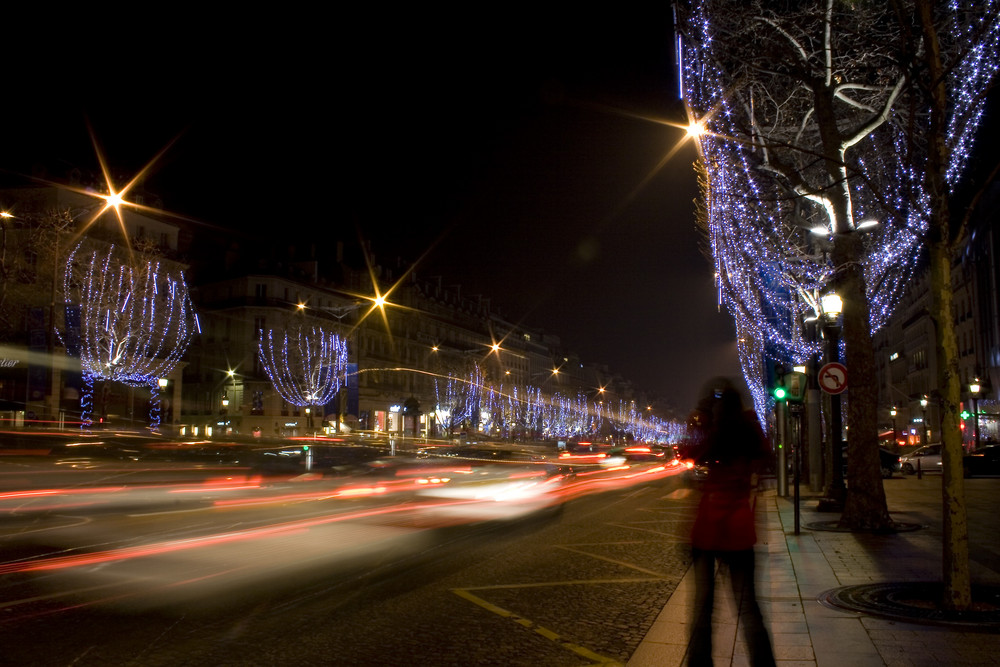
(288, 573)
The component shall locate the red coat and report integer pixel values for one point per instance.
(724, 521)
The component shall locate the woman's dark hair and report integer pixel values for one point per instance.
(730, 434)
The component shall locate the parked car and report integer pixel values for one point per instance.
(889, 463)
(927, 458)
(983, 461)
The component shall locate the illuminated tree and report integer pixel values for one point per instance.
(306, 365)
(811, 124)
(950, 59)
(136, 319)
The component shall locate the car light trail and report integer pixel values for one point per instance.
(281, 529)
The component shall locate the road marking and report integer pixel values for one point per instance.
(544, 632)
(645, 530)
(139, 515)
(678, 494)
(615, 561)
(569, 582)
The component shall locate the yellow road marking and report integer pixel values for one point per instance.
(542, 631)
(570, 582)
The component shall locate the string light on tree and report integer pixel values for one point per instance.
(767, 190)
(306, 365)
(136, 320)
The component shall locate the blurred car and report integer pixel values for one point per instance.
(983, 461)
(641, 454)
(926, 458)
(585, 453)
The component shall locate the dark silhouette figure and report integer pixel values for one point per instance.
(732, 446)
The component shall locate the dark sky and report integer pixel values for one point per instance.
(516, 147)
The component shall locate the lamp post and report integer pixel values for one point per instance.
(895, 441)
(832, 307)
(923, 418)
(974, 390)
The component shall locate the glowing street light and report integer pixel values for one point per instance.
(923, 418)
(832, 306)
(974, 388)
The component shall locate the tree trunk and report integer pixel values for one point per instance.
(955, 543)
(865, 507)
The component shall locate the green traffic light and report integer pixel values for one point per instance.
(780, 393)
(305, 448)
(966, 414)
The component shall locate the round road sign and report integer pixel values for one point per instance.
(833, 378)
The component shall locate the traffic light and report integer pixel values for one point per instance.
(966, 414)
(780, 393)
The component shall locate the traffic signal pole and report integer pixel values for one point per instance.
(782, 462)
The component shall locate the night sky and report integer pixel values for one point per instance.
(518, 154)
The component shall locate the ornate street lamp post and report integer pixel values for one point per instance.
(832, 307)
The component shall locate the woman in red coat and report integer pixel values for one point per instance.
(732, 447)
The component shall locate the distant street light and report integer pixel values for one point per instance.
(974, 389)
(923, 423)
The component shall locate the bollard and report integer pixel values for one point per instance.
(920, 474)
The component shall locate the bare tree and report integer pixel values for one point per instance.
(809, 127)
(30, 267)
(136, 317)
(306, 365)
(951, 59)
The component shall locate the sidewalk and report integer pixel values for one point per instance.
(792, 571)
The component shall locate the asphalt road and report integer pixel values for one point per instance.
(574, 584)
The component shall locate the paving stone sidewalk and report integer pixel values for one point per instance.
(794, 570)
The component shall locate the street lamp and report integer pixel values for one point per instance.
(895, 441)
(974, 390)
(923, 418)
(832, 306)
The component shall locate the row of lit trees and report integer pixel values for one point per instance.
(137, 321)
(518, 411)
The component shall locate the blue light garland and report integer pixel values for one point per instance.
(306, 366)
(136, 320)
